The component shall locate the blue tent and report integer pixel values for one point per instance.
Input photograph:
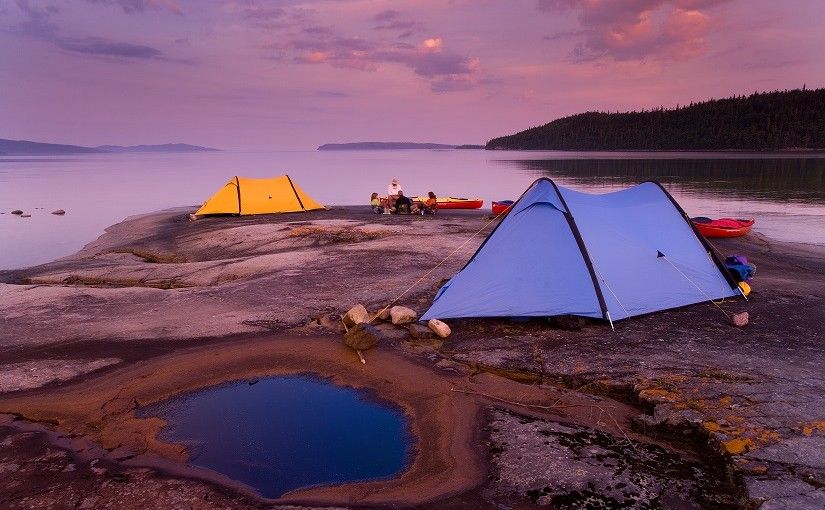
(611, 256)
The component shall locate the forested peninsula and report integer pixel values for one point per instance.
(767, 121)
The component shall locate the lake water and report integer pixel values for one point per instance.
(785, 193)
(283, 433)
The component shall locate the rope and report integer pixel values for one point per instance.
(599, 274)
(727, 316)
(428, 273)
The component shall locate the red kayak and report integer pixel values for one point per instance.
(454, 203)
(501, 206)
(723, 227)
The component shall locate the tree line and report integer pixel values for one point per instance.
(778, 120)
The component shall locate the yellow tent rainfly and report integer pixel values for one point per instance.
(243, 196)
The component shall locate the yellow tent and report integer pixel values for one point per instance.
(243, 195)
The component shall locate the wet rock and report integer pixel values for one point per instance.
(59, 212)
(17, 212)
(567, 322)
(356, 315)
(402, 315)
(419, 331)
(740, 319)
(439, 328)
(362, 336)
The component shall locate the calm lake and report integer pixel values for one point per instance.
(784, 193)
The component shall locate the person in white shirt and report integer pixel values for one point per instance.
(392, 191)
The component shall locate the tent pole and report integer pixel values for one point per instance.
(743, 293)
(610, 320)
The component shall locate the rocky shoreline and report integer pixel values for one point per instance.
(677, 409)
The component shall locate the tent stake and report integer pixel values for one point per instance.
(610, 320)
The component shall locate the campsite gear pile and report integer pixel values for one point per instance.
(244, 195)
(741, 271)
(610, 256)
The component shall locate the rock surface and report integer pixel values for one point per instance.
(419, 331)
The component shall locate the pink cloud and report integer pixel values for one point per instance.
(638, 29)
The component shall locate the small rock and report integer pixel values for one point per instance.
(439, 328)
(740, 319)
(59, 212)
(419, 331)
(356, 315)
(192, 217)
(17, 212)
(402, 315)
(362, 337)
(25, 215)
(567, 322)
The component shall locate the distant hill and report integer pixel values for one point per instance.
(28, 148)
(787, 120)
(372, 146)
(167, 147)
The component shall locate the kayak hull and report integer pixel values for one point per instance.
(454, 203)
(724, 227)
(501, 207)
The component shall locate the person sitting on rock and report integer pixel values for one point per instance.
(392, 192)
(430, 206)
(403, 205)
(375, 203)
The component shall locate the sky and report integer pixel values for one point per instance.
(286, 74)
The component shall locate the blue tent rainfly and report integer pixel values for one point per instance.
(610, 256)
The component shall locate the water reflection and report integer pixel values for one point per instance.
(782, 179)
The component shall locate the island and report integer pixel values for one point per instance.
(790, 120)
(375, 146)
(30, 148)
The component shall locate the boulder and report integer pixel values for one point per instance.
(59, 212)
(356, 315)
(439, 328)
(362, 336)
(740, 319)
(402, 315)
(17, 212)
(419, 331)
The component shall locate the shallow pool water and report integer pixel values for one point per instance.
(283, 433)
